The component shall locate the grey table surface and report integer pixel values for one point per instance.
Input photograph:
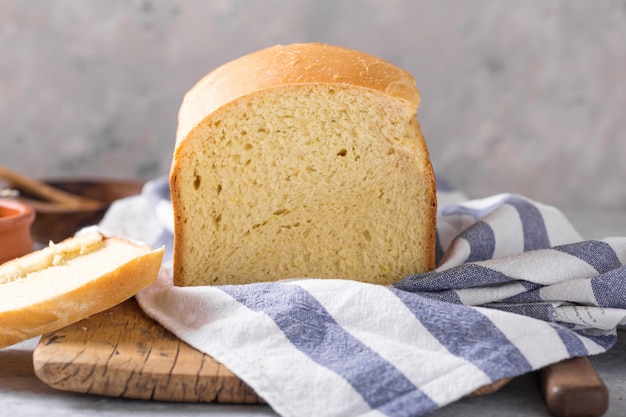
(22, 394)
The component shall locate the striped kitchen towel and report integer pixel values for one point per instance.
(516, 288)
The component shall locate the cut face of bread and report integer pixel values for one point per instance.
(321, 179)
(63, 283)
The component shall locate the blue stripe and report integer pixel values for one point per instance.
(600, 255)
(533, 226)
(468, 334)
(530, 286)
(311, 329)
(575, 347)
(609, 289)
(448, 296)
(462, 276)
(482, 241)
(606, 341)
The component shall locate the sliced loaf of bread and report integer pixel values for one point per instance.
(304, 160)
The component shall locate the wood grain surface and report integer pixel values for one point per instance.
(123, 353)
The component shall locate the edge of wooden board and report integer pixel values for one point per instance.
(123, 353)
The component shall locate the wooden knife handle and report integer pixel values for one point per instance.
(572, 388)
(46, 191)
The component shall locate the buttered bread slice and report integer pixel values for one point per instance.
(304, 160)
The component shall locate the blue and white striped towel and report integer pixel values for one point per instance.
(516, 289)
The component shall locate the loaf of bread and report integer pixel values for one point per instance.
(66, 282)
(304, 160)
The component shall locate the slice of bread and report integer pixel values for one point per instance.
(63, 283)
(304, 160)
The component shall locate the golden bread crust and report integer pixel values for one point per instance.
(277, 66)
(52, 310)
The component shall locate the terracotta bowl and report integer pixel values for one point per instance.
(16, 219)
(58, 223)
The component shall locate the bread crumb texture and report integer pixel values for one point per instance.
(309, 180)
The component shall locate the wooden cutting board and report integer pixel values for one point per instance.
(123, 353)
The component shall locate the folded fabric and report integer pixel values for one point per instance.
(516, 289)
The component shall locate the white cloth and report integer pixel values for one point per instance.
(516, 289)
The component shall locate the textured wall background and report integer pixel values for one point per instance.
(525, 97)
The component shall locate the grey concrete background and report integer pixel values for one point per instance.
(526, 97)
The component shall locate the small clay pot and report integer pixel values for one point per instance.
(15, 221)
